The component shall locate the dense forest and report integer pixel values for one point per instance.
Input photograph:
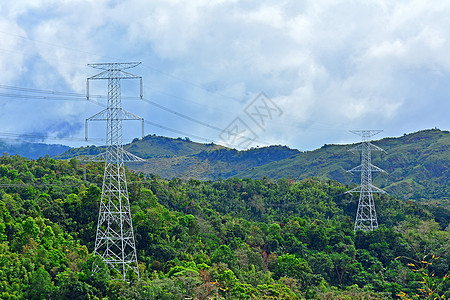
(224, 239)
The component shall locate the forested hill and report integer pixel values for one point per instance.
(225, 239)
(186, 159)
(417, 163)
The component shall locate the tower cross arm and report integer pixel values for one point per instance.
(96, 158)
(375, 189)
(100, 116)
(371, 168)
(122, 115)
(372, 189)
(365, 134)
(116, 66)
(116, 74)
(126, 115)
(372, 147)
(130, 157)
(361, 147)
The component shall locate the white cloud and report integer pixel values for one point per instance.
(328, 64)
(13, 51)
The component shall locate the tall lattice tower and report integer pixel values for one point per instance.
(115, 237)
(366, 215)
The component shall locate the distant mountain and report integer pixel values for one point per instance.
(151, 146)
(31, 150)
(182, 158)
(213, 162)
(417, 163)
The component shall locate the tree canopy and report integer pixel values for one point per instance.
(228, 239)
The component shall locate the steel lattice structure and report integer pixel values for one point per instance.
(115, 237)
(366, 215)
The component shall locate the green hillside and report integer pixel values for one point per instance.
(417, 163)
(151, 146)
(212, 162)
(225, 239)
(185, 159)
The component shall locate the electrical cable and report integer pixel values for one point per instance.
(144, 65)
(194, 120)
(43, 137)
(81, 97)
(40, 97)
(22, 89)
(181, 115)
(178, 131)
(51, 92)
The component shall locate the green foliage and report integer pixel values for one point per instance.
(224, 239)
(40, 286)
(223, 254)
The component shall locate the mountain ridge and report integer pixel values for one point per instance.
(417, 163)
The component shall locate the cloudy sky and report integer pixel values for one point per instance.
(324, 68)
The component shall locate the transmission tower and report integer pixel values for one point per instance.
(366, 215)
(114, 240)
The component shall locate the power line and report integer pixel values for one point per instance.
(178, 131)
(168, 75)
(23, 89)
(82, 97)
(191, 83)
(36, 136)
(50, 92)
(40, 97)
(220, 130)
(193, 120)
(181, 115)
